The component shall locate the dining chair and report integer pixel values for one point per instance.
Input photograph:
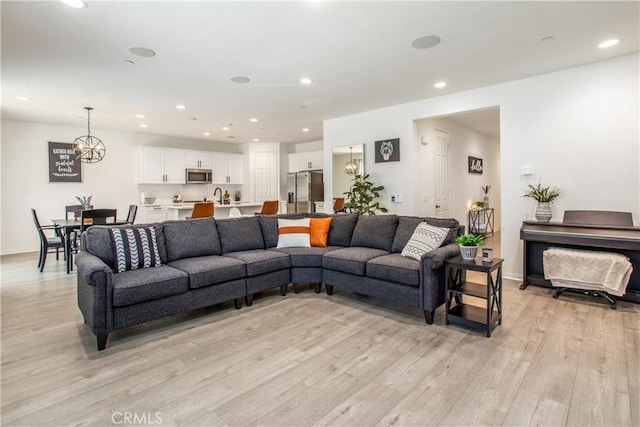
(131, 216)
(234, 213)
(47, 242)
(91, 217)
(269, 207)
(338, 204)
(201, 210)
(75, 210)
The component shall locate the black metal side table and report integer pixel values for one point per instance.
(478, 217)
(456, 311)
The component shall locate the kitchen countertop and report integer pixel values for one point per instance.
(215, 205)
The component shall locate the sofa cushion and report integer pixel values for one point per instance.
(136, 286)
(97, 241)
(294, 233)
(341, 229)
(261, 261)
(425, 239)
(194, 238)
(320, 231)
(269, 227)
(351, 260)
(395, 268)
(135, 248)
(306, 257)
(209, 270)
(407, 225)
(240, 234)
(375, 231)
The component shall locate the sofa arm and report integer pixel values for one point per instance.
(95, 292)
(435, 259)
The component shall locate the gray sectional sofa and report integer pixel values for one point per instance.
(208, 261)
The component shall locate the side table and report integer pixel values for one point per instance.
(456, 311)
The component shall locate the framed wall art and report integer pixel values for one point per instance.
(63, 164)
(475, 165)
(387, 150)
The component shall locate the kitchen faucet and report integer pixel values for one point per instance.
(216, 190)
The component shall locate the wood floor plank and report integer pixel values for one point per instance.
(313, 359)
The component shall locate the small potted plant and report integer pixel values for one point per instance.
(469, 245)
(544, 196)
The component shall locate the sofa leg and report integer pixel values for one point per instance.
(283, 290)
(329, 289)
(428, 316)
(238, 303)
(317, 287)
(296, 288)
(249, 300)
(102, 341)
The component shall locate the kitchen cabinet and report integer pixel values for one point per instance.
(149, 214)
(162, 166)
(306, 160)
(197, 159)
(228, 168)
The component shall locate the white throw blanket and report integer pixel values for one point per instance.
(598, 271)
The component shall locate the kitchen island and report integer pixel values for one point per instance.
(183, 210)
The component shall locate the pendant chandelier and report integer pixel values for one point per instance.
(351, 167)
(89, 149)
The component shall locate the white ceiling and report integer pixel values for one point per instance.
(359, 55)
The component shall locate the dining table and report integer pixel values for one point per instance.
(68, 226)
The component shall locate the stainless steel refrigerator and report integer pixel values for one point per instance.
(303, 189)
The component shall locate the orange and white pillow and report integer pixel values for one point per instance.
(294, 233)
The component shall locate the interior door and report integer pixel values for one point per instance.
(441, 166)
(265, 178)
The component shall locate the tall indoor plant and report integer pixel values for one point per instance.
(544, 196)
(363, 196)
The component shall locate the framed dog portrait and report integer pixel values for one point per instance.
(388, 150)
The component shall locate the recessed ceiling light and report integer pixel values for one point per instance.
(181, 107)
(145, 52)
(142, 125)
(225, 128)
(23, 98)
(305, 129)
(206, 134)
(256, 140)
(78, 4)
(609, 43)
(141, 116)
(129, 62)
(231, 137)
(440, 85)
(194, 118)
(306, 81)
(425, 42)
(240, 79)
(253, 120)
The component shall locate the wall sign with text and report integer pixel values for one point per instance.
(475, 165)
(63, 165)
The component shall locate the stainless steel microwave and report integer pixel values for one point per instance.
(199, 176)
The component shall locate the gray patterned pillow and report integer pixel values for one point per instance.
(135, 248)
(425, 238)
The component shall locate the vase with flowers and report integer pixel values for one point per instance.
(545, 196)
(485, 195)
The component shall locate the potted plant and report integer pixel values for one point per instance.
(85, 201)
(469, 245)
(544, 196)
(362, 196)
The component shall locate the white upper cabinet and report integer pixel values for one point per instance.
(197, 159)
(228, 168)
(306, 160)
(162, 166)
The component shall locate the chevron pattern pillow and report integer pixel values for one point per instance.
(135, 248)
(424, 239)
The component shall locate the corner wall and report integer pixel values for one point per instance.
(578, 127)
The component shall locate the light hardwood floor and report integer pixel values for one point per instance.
(312, 359)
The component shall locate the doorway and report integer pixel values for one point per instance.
(446, 182)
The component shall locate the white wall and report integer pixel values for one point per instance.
(579, 127)
(464, 188)
(112, 182)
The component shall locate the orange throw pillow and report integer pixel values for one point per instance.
(320, 231)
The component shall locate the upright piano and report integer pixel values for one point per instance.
(585, 230)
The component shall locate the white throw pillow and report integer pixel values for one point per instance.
(294, 233)
(424, 239)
